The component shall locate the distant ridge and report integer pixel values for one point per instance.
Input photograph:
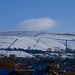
(33, 33)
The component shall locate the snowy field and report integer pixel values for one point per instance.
(35, 40)
(16, 53)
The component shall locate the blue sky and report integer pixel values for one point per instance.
(46, 15)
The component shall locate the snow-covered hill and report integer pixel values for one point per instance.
(37, 40)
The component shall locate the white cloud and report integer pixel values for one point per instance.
(38, 24)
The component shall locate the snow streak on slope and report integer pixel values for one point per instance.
(49, 43)
(5, 41)
(24, 42)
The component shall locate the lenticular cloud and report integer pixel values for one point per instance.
(38, 24)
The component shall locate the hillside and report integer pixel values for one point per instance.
(37, 40)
